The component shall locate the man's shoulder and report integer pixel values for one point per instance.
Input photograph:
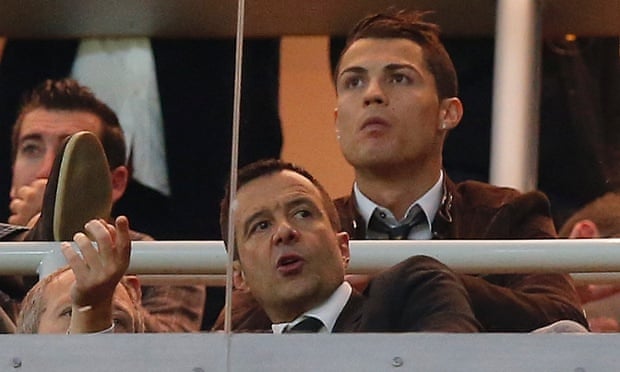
(480, 194)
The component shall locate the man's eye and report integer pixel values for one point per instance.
(303, 214)
(353, 82)
(122, 325)
(66, 312)
(30, 149)
(260, 226)
(399, 78)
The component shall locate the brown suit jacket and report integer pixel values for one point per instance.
(168, 308)
(476, 210)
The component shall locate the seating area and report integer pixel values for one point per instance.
(521, 26)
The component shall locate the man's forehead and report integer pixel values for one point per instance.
(58, 288)
(381, 50)
(58, 123)
(275, 188)
(122, 299)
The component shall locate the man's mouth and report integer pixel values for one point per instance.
(374, 123)
(290, 264)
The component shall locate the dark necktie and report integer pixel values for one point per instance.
(308, 325)
(380, 229)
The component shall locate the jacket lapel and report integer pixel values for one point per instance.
(351, 315)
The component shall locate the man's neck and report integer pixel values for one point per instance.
(398, 189)
(322, 303)
(289, 311)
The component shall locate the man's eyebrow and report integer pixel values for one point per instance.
(301, 200)
(30, 136)
(399, 66)
(251, 218)
(388, 67)
(352, 69)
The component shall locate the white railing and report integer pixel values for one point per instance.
(208, 258)
(338, 352)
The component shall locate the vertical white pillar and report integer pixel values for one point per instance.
(514, 132)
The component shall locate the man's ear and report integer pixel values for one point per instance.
(343, 244)
(584, 229)
(120, 178)
(336, 123)
(133, 282)
(450, 113)
(239, 277)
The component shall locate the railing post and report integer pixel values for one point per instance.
(514, 134)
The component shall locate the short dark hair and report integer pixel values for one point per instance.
(266, 167)
(409, 24)
(603, 211)
(68, 95)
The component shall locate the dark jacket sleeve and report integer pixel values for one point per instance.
(419, 294)
(522, 303)
(513, 302)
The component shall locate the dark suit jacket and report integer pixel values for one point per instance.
(419, 294)
(475, 210)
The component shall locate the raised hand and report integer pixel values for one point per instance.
(97, 272)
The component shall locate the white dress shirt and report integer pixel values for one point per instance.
(429, 202)
(328, 312)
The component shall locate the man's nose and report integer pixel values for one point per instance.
(285, 234)
(375, 94)
(46, 165)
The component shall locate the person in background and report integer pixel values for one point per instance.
(91, 295)
(598, 219)
(176, 101)
(53, 111)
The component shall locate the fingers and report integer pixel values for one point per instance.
(26, 202)
(113, 247)
(102, 233)
(123, 240)
(90, 255)
(73, 259)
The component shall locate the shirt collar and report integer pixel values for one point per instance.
(429, 202)
(328, 312)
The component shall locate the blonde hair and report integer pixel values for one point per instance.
(34, 305)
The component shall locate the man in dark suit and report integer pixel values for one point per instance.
(291, 256)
